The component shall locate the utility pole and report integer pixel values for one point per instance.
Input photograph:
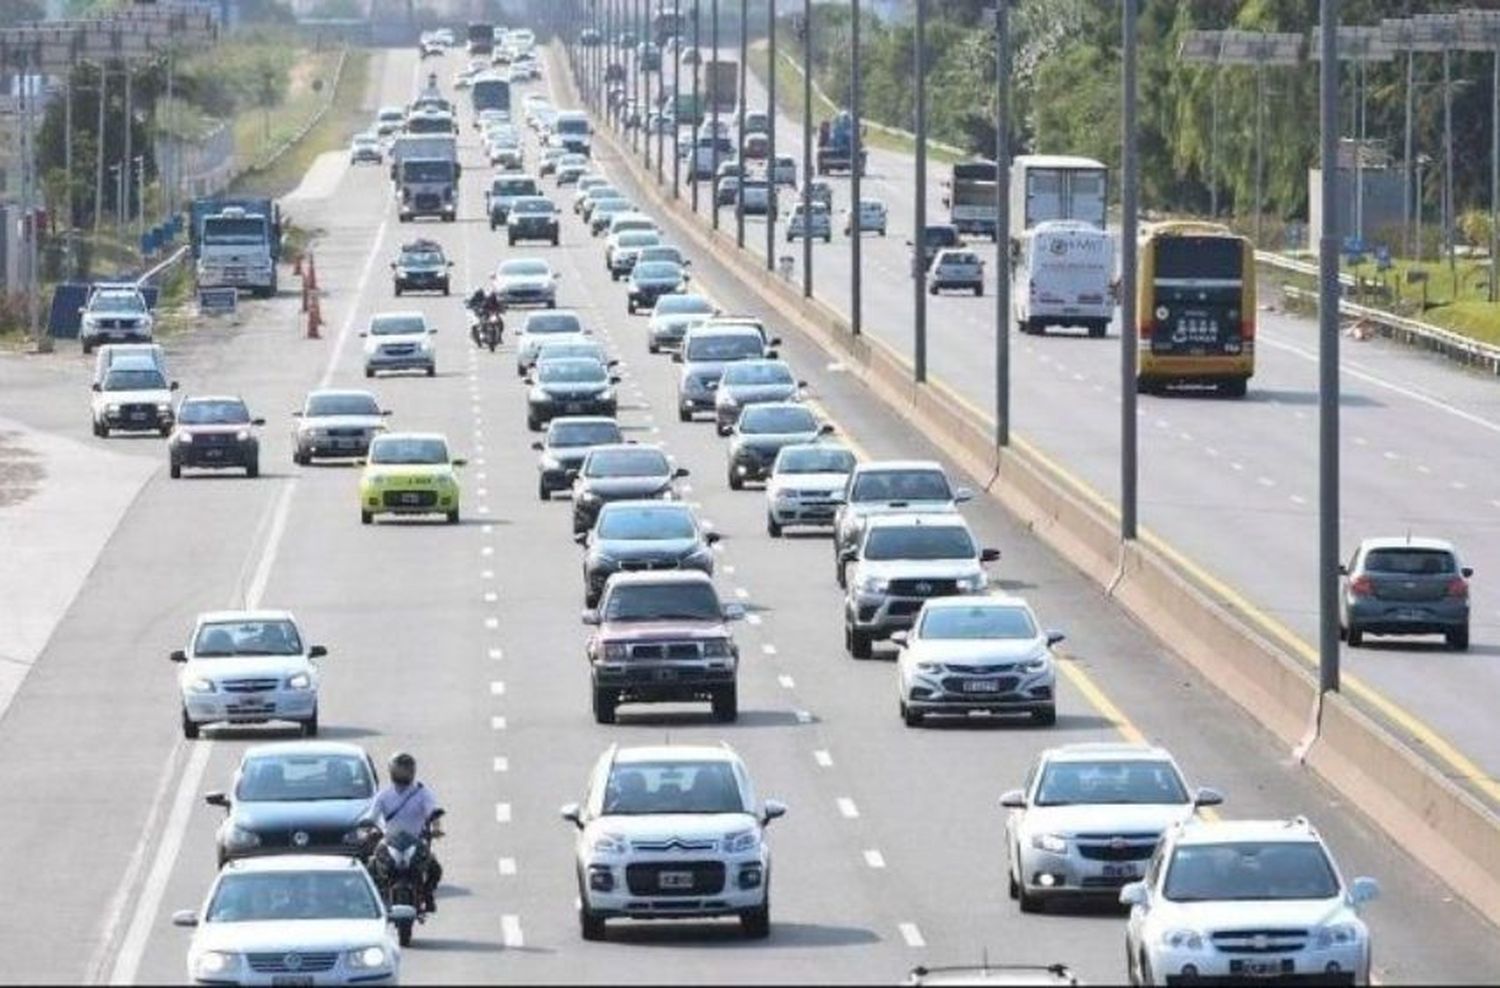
(856, 173)
(1328, 357)
(713, 78)
(99, 135)
(807, 156)
(1480, 31)
(773, 192)
(697, 109)
(919, 238)
(676, 104)
(125, 157)
(1002, 223)
(1129, 335)
(739, 212)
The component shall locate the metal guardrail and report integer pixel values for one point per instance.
(162, 267)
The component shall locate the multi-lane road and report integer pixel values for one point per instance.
(463, 644)
(1218, 476)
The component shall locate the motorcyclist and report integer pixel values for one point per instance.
(407, 806)
(486, 305)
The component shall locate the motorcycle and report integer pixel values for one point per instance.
(398, 864)
(487, 330)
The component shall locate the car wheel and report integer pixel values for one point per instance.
(652, 348)
(369, 372)
(736, 482)
(310, 726)
(773, 527)
(1098, 329)
(510, 241)
(604, 706)
(1143, 970)
(403, 932)
(452, 517)
(543, 492)
(1459, 640)
(101, 430)
(175, 470)
(88, 348)
(978, 290)
(252, 469)
(1010, 879)
(910, 716)
(590, 923)
(756, 923)
(554, 239)
(493, 224)
(1044, 717)
(189, 728)
(164, 431)
(684, 414)
(859, 643)
(1029, 903)
(432, 370)
(726, 705)
(300, 458)
(398, 291)
(1354, 636)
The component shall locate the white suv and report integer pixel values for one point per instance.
(115, 314)
(399, 341)
(1246, 900)
(672, 831)
(248, 667)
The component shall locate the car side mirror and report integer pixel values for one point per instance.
(317, 652)
(363, 334)
(216, 799)
(989, 555)
(97, 386)
(773, 355)
(257, 421)
(460, 462)
(393, 265)
(590, 616)
(582, 538)
(297, 414)
(1014, 799)
(773, 810)
(801, 384)
(900, 638)
(185, 917)
(178, 656)
(1363, 890)
(615, 379)
(962, 494)
(1134, 894)
(1467, 572)
(1208, 797)
(826, 429)
(712, 538)
(173, 386)
(385, 412)
(774, 341)
(681, 472)
(450, 264)
(572, 813)
(402, 913)
(539, 447)
(1055, 637)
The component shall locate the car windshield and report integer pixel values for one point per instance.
(514, 187)
(902, 485)
(421, 258)
(117, 302)
(524, 268)
(607, 206)
(133, 379)
(202, 412)
(777, 421)
(537, 206)
(397, 450)
(683, 305)
(226, 639)
(658, 271)
(687, 601)
(359, 404)
(832, 459)
(288, 778)
(659, 252)
(628, 463)
(406, 325)
(1411, 562)
(1147, 782)
(963, 259)
(552, 322)
(1250, 871)
(727, 346)
(569, 434)
(756, 373)
(570, 371)
(637, 788)
(426, 171)
(977, 622)
(280, 896)
(559, 350)
(920, 542)
(646, 524)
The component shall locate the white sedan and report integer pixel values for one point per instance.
(248, 667)
(293, 920)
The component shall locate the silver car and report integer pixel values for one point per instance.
(819, 226)
(336, 424)
(1405, 586)
(956, 269)
(527, 281)
(673, 316)
(806, 485)
(705, 352)
(545, 327)
(871, 215)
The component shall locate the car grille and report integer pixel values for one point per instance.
(923, 588)
(900, 608)
(683, 651)
(398, 350)
(293, 962)
(1260, 941)
(138, 412)
(1117, 847)
(428, 201)
(672, 844)
(346, 433)
(409, 499)
(249, 685)
(964, 670)
(649, 564)
(706, 878)
(214, 438)
(315, 838)
(1003, 684)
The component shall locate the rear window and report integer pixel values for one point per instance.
(902, 485)
(553, 322)
(1411, 562)
(566, 433)
(1207, 258)
(920, 542)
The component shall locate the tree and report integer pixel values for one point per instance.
(20, 11)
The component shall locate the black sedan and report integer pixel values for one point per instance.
(215, 433)
(650, 280)
(643, 535)
(621, 473)
(569, 440)
(570, 386)
(421, 267)
(532, 218)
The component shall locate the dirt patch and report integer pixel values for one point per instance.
(21, 470)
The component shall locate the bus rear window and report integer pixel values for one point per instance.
(1216, 258)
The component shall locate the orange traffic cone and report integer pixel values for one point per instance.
(297, 266)
(312, 273)
(314, 319)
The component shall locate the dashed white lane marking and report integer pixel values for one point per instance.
(1361, 441)
(479, 462)
(768, 649)
(482, 476)
(1210, 451)
(483, 492)
(497, 723)
(787, 683)
(1237, 466)
(1298, 499)
(1265, 481)
(1495, 502)
(502, 813)
(742, 593)
(497, 654)
(803, 716)
(1458, 485)
(491, 597)
(1423, 468)
(912, 936)
(752, 618)
(728, 570)
(497, 687)
(501, 763)
(874, 859)
(491, 623)
(488, 574)
(488, 550)
(823, 758)
(484, 509)
(510, 932)
(1390, 455)
(507, 866)
(847, 808)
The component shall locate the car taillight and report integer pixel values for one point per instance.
(1458, 587)
(1361, 586)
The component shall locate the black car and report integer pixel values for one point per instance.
(421, 267)
(651, 280)
(570, 386)
(312, 797)
(643, 535)
(532, 218)
(761, 432)
(214, 433)
(504, 190)
(937, 237)
(569, 440)
(620, 473)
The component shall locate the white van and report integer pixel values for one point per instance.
(1063, 276)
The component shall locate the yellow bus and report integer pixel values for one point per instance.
(1195, 308)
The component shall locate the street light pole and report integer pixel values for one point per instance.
(807, 157)
(773, 193)
(919, 239)
(1130, 208)
(1002, 223)
(856, 173)
(739, 212)
(1328, 358)
(713, 78)
(676, 103)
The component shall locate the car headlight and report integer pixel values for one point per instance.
(717, 648)
(972, 583)
(212, 963)
(587, 496)
(113, 408)
(1051, 843)
(550, 462)
(299, 681)
(242, 839)
(1336, 935)
(202, 685)
(615, 651)
(929, 668)
(164, 407)
(610, 844)
(1182, 938)
(874, 584)
(242, 436)
(367, 958)
(185, 438)
(1038, 664)
(742, 842)
(607, 394)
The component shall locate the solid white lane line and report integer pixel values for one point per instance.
(501, 763)
(874, 859)
(497, 723)
(359, 293)
(488, 550)
(1458, 485)
(912, 936)
(823, 758)
(804, 716)
(507, 866)
(510, 932)
(502, 813)
(1265, 481)
(847, 809)
(497, 687)
(1237, 466)
(787, 683)
(488, 574)
(728, 570)
(491, 597)
(742, 593)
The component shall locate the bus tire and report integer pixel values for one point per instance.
(1098, 329)
(1235, 387)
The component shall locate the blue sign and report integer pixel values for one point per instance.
(1382, 257)
(217, 301)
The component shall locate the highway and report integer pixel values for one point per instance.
(463, 645)
(1218, 475)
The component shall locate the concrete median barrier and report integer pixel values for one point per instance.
(1437, 821)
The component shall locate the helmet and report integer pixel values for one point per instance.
(402, 768)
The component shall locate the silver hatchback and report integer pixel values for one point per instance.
(957, 269)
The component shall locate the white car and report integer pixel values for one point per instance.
(1090, 818)
(132, 395)
(672, 831)
(806, 485)
(819, 226)
(1246, 900)
(956, 269)
(980, 655)
(673, 316)
(399, 341)
(870, 216)
(293, 920)
(334, 423)
(248, 667)
(115, 314)
(546, 327)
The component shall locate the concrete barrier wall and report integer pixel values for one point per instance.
(1440, 824)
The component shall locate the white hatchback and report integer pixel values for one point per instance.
(248, 667)
(399, 341)
(293, 920)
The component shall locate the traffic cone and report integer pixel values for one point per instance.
(314, 319)
(312, 273)
(297, 266)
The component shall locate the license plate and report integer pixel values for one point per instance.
(664, 675)
(1410, 614)
(1120, 871)
(291, 979)
(137, 416)
(344, 444)
(574, 407)
(411, 497)
(981, 686)
(214, 454)
(1261, 969)
(675, 879)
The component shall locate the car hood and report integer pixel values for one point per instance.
(1252, 915)
(617, 487)
(665, 826)
(341, 422)
(833, 483)
(523, 281)
(286, 936)
(772, 440)
(408, 471)
(313, 814)
(213, 429)
(644, 548)
(923, 569)
(245, 666)
(1113, 818)
(373, 343)
(747, 394)
(154, 396)
(654, 630)
(999, 652)
(568, 389)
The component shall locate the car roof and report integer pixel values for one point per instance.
(293, 863)
(411, 435)
(1104, 751)
(399, 314)
(193, 399)
(340, 392)
(675, 752)
(1406, 542)
(1294, 831)
(922, 519)
(971, 600)
(214, 617)
(627, 447)
(709, 328)
(584, 420)
(778, 406)
(631, 578)
(876, 466)
(303, 748)
(132, 361)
